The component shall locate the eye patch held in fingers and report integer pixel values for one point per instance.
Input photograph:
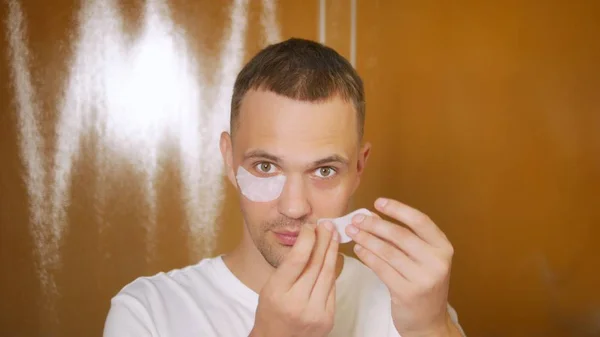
(342, 222)
(259, 189)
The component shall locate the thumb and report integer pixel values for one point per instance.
(296, 260)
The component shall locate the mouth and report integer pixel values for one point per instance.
(286, 238)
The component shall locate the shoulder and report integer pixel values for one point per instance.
(140, 305)
(145, 288)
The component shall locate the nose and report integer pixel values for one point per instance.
(293, 202)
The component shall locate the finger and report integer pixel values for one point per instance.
(388, 275)
(400, 237)
(307, 279)
(330, 305)
(431, 261)
(326, 280)
(375, 215)
(420, 223)
(297, 259)
(391, 255)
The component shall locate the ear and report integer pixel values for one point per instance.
(363, 156)
(361, 162)
(226, 146)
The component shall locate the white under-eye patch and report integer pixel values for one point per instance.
(259, 189)
(342, 222)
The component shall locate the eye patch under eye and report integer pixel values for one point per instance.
(259, 189)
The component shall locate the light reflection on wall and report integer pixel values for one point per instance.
(134, 95)
(30, 145)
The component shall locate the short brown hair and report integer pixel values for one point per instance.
(302, 70)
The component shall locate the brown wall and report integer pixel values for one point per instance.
(485, 116)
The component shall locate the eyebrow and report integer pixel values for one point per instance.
(331, 159)
(260, 154)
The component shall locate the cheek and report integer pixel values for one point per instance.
(256, 214)
(339, 185)
(331, 197)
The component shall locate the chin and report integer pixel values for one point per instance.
(275, 253)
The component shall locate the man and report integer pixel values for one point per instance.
(295, 154)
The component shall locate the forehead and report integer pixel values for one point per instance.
(296, 129)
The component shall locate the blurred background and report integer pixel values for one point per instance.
(484, 115)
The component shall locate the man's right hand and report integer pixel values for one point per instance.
(299, 298)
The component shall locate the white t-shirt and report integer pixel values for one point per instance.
(206, 300)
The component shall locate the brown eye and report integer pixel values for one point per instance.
(265, 167)
(325, 172)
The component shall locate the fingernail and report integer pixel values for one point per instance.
(381, 202)
(357, 248)
(352, 230)
(328, 226)
(335, 236)
(359, 218)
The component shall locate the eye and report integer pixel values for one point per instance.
(265, 167)
(325, 172)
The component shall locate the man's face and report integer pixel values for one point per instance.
(315, 145)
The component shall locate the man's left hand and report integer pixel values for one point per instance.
(414, 263)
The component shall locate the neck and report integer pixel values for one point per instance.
(251, 268)
(248, 265)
